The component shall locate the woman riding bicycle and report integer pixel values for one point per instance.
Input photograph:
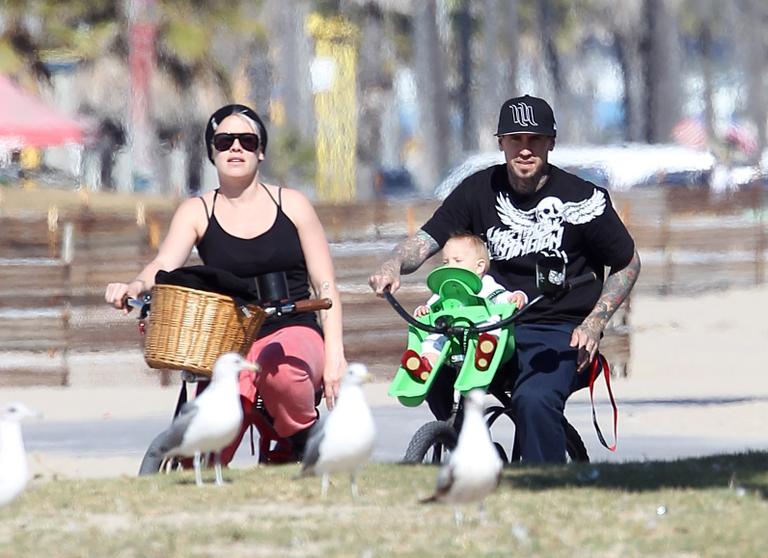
(250, 228)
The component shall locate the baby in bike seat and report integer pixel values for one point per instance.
(463, 251)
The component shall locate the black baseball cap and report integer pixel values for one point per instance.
(526, 115)
(229, 110)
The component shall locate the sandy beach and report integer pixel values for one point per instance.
(696, 370)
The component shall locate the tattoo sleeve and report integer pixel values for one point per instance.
(616, 288)
(414, 251)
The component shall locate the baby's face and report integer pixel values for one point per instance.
(461, 253)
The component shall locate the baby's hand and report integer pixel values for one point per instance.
(519, 298)
(422, 310)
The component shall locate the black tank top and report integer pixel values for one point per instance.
(277, 249)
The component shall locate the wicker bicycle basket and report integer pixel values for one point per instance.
(188, 329)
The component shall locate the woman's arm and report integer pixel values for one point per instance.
(322, 278)
(173, 252)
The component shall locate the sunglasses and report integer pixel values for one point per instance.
(249, 142)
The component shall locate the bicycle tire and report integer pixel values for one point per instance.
(574, 445)
(575, 449)
(437, 436)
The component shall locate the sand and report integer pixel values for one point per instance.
(697, 369)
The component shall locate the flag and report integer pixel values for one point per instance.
(690, 131)
(742, 137)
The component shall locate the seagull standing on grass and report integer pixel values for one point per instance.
(14, 472)
(211, 420)
(474, 468)
(342, 440)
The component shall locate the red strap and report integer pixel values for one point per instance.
(600, 363)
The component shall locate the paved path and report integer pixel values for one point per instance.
(649, 429)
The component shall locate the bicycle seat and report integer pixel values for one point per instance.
(455, 286)
(458, 300)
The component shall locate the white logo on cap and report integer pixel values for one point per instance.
(522, 115)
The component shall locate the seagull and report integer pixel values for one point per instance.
(210, 422)
(342, 440)
(14, 472)
(474, 468)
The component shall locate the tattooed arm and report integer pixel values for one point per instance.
(406, 258)
(615, 289)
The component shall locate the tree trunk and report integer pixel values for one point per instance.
(755, 71)
(433, 96)
(707, 74)
(548, 29)
(661, 74)
(464, 28)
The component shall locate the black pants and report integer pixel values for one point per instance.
(540, 375)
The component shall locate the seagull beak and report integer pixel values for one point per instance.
(246, 365)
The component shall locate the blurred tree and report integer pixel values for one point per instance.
(497, 46)
(753, 62)
(661, 72)
(190, 81)
(434, 108)
(703, 23)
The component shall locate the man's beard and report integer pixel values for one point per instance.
(529, 185)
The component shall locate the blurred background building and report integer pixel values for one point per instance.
(376, 98)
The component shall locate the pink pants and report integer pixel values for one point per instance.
(292, 361)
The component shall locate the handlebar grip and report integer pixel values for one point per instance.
(580, 280)
(313, 304)
(134, 302)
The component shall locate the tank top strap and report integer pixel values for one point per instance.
(205, 205)
(279, 201)
(213, 205)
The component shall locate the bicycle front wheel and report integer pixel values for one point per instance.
(432, 443)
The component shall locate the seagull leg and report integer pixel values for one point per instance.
(481, 513)
(458, 516)
(324, 485)
(217, 467)
(353, 484)
(198, 473)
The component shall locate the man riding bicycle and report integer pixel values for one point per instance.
(524, 208)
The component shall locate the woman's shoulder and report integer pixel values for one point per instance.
(196, 203)
(195, 210)
(290, 198)
(297, 206)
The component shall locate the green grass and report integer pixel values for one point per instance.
(713, 507)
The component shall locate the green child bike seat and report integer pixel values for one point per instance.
(458, 301)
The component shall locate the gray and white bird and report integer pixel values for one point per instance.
(342, 441)
(14, 471)
(211, 421)
(474, 468)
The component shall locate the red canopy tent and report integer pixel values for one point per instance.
(28, 121)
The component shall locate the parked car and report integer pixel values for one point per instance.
(393, 183)
(616, 167)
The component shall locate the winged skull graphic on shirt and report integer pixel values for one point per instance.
(540, 228)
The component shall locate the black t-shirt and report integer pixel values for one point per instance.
(568, 216)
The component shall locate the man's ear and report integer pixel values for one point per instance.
(498, 140)
(552, 144)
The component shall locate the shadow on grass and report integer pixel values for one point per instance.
(742, 470)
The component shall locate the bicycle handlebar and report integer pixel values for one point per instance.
(307, 305)
(275, 309)
(407, 317)
(579, 280)
(449, 328)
